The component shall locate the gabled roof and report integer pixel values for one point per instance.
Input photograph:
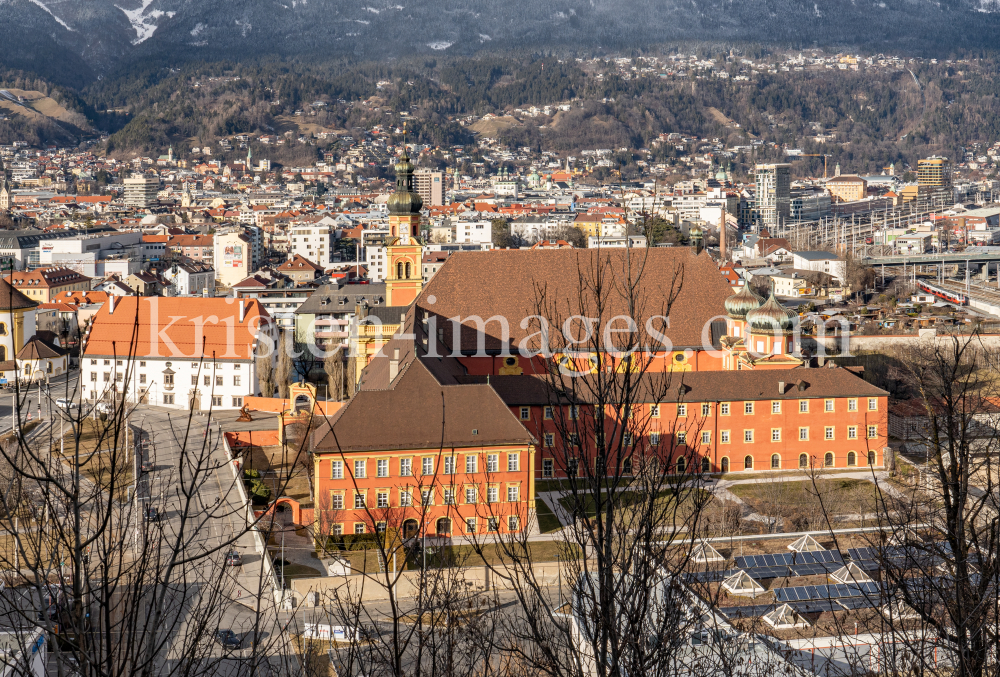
(38, 349)
(512, 284)
(150, 326)
(12, 299)
(425, 415)
(299, 263)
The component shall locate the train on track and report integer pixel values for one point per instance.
(958, 298)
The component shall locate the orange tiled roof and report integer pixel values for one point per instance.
(166, 328)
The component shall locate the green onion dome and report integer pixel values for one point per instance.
(770, 316)
(405, 200)
(741, 303)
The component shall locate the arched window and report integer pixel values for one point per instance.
(681, 465)
(407, 270)
(399, 270)
(871, 458)
(724, 466)
(803, 460)
(828, 459)
(3, 329)
(748, 463)
(852, 458)
(775, 462)
(706, 466)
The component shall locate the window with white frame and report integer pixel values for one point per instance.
(337, 470)
(449, 497)
(470, 494)
(470, 464)
(359, 500)
(513, 462)
(405, 467)
(706, 437)
(493, 494)
(359, 468)
(512, 494)
(492, 462)
(382, 467)
(427, 466)
(449, 465)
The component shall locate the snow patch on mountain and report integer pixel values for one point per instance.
(142, 21)
(198, 28)
(61, 22)
(440, 45)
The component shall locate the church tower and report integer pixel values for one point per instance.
(403, 249)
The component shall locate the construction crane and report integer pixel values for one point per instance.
(822, 155)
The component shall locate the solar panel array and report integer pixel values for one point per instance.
(803, 593)
(807, 607)
(791, 563)
(863, 554)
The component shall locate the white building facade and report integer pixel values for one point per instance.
(188, 353)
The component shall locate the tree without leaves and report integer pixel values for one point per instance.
(130, 595)
(334, 368)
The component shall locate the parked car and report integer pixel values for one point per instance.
(105, 408)
(68, 405)
(147, 464)
(234, 559)
(152, 514)
(227, 639)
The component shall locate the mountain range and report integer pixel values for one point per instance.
(73, 41)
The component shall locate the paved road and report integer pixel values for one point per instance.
(184, 453)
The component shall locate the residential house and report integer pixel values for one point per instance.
(42, 285)
(188, 353)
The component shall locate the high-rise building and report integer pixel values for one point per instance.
(934, 171)
(141, 191)
(774, 188)
(430, 186)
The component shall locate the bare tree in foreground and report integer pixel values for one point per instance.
(121, 571)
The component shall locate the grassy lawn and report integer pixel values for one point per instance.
(460, 556)
(803, 504)
(665, 501)
(108, 469)
(283, 464)
(466, 556)
(547, 520)
(297, 571)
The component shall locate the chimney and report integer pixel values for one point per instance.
(394, 365)
(243, 311)
(722, 232)
(781, 387)
(111, 304)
